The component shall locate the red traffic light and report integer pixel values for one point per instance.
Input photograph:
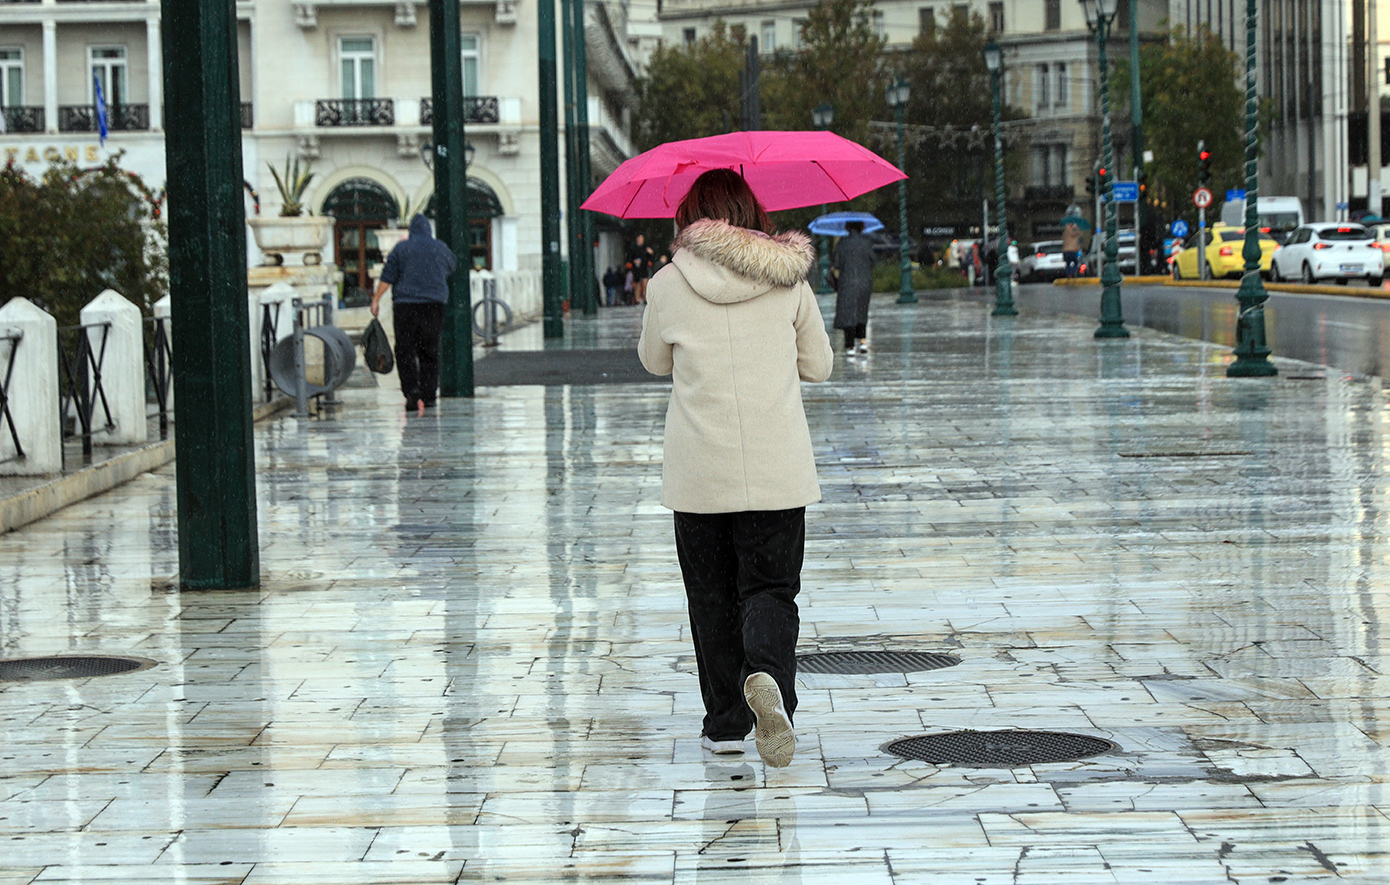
(1204, 155)
(1101, 172)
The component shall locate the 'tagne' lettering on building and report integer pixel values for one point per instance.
(54, 154)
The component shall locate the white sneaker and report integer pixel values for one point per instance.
(863, 347)
(773, 734)
(721, 748)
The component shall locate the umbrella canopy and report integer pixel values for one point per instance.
(1076, 220)
(833, 225)
(786, 170)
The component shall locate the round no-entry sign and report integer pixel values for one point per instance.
(1201, 197)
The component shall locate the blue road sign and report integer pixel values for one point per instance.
(1179, 228)
(1234, 194)
(1126, 191)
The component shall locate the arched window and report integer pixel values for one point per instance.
(359, 206)
(483, 206)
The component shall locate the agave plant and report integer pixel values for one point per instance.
(407, 212)
(292, 185)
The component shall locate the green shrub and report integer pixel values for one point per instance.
(888, 277)
(74, 232)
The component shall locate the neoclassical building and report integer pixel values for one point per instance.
(343, 84)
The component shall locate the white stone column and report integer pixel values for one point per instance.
(50, 75)
(33, 391)
(155, 58)
(122, 369)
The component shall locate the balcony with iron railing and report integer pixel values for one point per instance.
(119, 118)
(476, 109)
(354, 112)
(1059, 193)
(23, 119)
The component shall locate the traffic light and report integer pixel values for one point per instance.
(1101, 174)
(1091, 184)
(1143, 183)
(1203, 167)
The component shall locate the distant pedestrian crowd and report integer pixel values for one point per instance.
(627, 285)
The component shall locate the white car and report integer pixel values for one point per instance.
(1043, 261)
(1329, 250)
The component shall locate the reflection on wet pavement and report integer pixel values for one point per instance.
(469, 657)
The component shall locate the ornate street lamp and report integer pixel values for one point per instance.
(898, 93)
(822, 115)
(1099, 15)
(1252, 352)
(1003, 275)
(427, 154)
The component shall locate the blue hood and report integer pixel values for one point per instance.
(418, 268)
(420, 227)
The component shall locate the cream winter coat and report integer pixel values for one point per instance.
(735, 324)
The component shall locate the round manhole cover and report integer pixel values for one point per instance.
(999, 749)
(68, 667)
(857, 662)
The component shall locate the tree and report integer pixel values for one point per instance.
(1189, 88)
(691, 91)
(74, 232)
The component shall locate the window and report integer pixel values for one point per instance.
(1062, 94)
(358, 58)
(798, 32)
(689, 35)
(108, 66)
(11, 77)
(1050, 165)
(878, 25)
(926, 21)
(470, 45)
(1042, 80)
(769, 37)
(1053, 14)
(960, 13)
(996, 17)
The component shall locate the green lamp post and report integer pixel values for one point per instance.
(1003, 274)
(1099, 15)
(1252, 351)
(822, 115)
(898, 94)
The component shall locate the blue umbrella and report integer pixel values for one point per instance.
(1076, 220)
(833, 225)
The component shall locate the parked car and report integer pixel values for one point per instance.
(1329, 250)
(1125, 240)
(1225, 245)
(1042, 262)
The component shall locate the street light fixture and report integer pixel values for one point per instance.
(822, 115)
(898, 93)
(1003, 274)
(427, 154)
(1099, 15)
(1252, 353)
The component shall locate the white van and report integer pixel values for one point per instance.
(1278, 215)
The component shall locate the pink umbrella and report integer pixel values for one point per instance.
(787, 170)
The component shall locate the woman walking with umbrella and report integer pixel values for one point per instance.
(854, 268)
(734, 322)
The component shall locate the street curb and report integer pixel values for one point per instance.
(35, 503)
(1290, 288)
(1093, 281)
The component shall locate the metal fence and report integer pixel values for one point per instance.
(159, 368)
(79, 381)
(13, 340)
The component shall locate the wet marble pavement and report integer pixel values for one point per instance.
(469, 658)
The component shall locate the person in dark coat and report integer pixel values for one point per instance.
(418, 270)
(854, 268)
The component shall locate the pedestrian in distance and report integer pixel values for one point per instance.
(854, 269)
(417, 271)
(733, 320)
(1014, 260)
(611, 281)
(1071, 248)
(640, 256)
(629, 285)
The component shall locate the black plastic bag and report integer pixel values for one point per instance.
(377, 348)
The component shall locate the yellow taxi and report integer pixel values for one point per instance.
(1224, 247)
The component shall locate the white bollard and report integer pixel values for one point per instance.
(122, 369)
(33, 391)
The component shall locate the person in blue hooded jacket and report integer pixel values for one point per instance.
(418, 270)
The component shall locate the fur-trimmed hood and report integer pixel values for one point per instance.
(726, 264)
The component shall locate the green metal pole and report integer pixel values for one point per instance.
(1252, 352)
(1003, 274)
(552, 286)
(1112, 323)
(1137, 119)
(823, 288)
(906, 295)
(451, 196)
(215, 469)
(574, 228)
(588, 297)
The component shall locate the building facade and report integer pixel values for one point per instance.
(342, 84)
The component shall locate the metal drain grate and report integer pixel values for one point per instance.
(68, 667)
(857, 662)
(999, 749)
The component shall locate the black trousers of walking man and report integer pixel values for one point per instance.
(418, 329)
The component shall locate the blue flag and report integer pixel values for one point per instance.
(101, 111)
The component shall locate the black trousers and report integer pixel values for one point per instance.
(855, 334)
(742, 572)
(418, 327)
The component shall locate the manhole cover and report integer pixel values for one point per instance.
(856, 662)
(68, 667)
(999, 749)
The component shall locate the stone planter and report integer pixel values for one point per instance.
(278, 235)
(387, 238)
